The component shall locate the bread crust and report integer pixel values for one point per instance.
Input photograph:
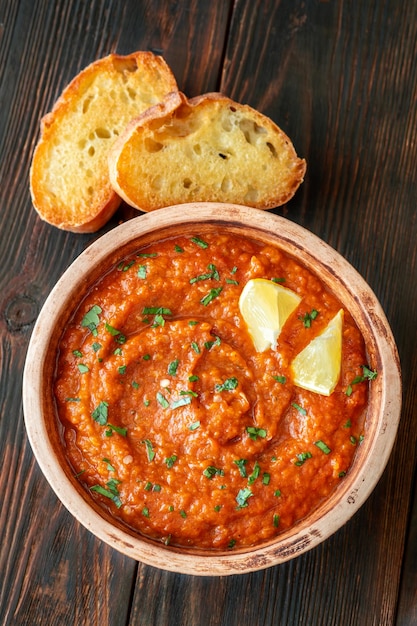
(69, 179)
(156, 163)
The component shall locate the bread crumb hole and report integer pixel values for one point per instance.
(152, 146)
(89, 173)
(251, 130)
(90, 191)
(227, 124)
(86, 104)
(132, 93)
(82, 144)
(251, 194)
(156, 183)
(124, 65)
(102, 133)
(91, 151)
(197, 148)
(226, 184)
(187, 182)
(272, 148)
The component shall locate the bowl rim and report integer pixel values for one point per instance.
(310, 250)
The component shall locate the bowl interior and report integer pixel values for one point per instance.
(341, 278)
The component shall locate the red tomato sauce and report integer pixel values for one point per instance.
(175, 423)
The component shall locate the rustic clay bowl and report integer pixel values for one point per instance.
(384, 401)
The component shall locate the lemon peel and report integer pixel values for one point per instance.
(265, 307)
(317, 367)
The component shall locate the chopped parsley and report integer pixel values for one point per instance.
(228, 385)
(299, 408)
(255, 473)
(117, 429)
(91, 319)
(183, 401)
(213, 293)
(266, 478)
(209, 344)
(199, 242)
(111, 492)
(254, 432)
(280, 379)
(150, 452)
(162, 401)
(100, 413)
(114, 332)
(302, 458)
(322, 446)
(141, 273)
(243, 497)
(241, 463)
(213, 274)
(109, 465)
(123, 267)
(195, 347)
(173, 367)
(308, 318)
(368, 374)
(212, 471)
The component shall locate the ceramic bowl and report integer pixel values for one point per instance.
(340, 277)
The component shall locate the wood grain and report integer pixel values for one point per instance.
(341, 79)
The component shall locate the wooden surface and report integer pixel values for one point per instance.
(340, 77)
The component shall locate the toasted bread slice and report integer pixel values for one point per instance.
(69, 178)
(208, 148)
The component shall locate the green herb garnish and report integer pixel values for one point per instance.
(241, 465)
(111, 492)
(308, 318)
(91, 319)
(199, 242)
(142, 271)
(302, 458)
(299, 408)
(213, 293)
(173, 367)
(254, 432)
(162, 400)
(322, 446)
(150, 452)
(100, 413)
(212, 471)
(243, 497)
(228, 385)
(280, 379)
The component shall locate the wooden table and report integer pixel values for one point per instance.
(340, 78)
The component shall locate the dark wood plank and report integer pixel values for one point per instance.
(51, 568)
(340, 79)
(336, 77)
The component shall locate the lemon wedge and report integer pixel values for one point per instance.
(317, 367)
(265, 306)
